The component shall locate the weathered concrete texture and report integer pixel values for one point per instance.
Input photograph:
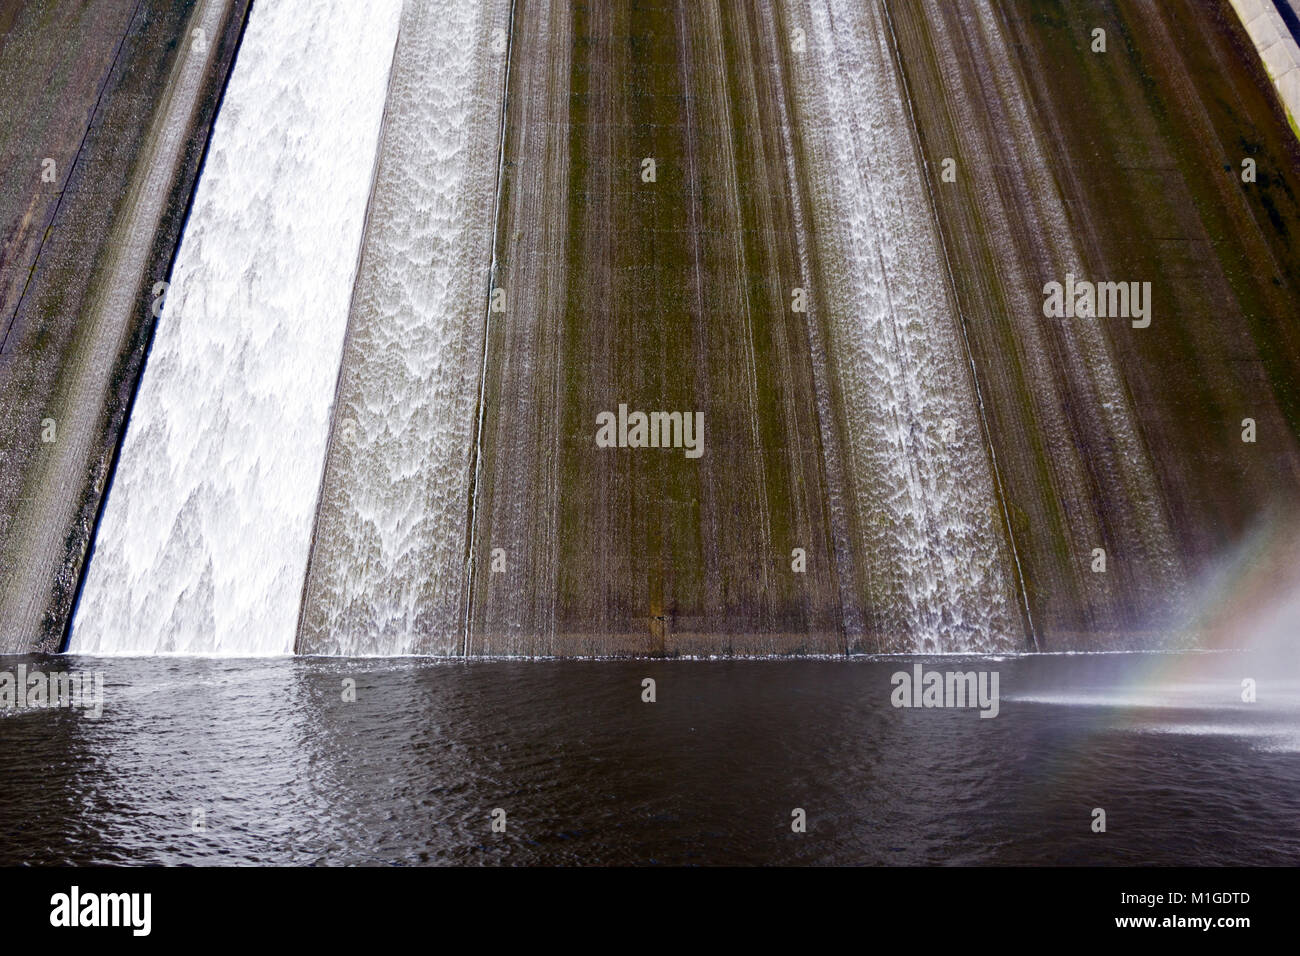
(1123, 165)
(669, 295)
(81, 330)
(55, 58)
(774, 170)
(1077, 434)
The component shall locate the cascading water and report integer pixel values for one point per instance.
(204, 538)
(297, 473)
(941, 578)
(388, 560)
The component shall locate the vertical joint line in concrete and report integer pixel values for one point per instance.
(487, 328)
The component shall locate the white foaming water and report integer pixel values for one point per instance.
(388, 562)
(941, 576)
(204, 538)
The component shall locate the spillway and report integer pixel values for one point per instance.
(387, 572)
(940, 573)
(411, 289)
(203, 541)
(781, 273)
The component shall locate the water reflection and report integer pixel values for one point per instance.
(285, 767)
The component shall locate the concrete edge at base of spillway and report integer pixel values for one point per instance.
(83, 328)
(1277, 50)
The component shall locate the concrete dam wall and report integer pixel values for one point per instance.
(550, 328)
(105, 117)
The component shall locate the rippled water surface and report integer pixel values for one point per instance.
(284, 770)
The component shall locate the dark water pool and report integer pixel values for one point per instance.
(264, 761)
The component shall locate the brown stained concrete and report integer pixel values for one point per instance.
(49, 88)
(669, 295)
(1123, 165)
(672, 296)
(82, 325)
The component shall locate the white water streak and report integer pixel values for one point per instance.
(204, 538)
(387, 573)
(939, 570)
